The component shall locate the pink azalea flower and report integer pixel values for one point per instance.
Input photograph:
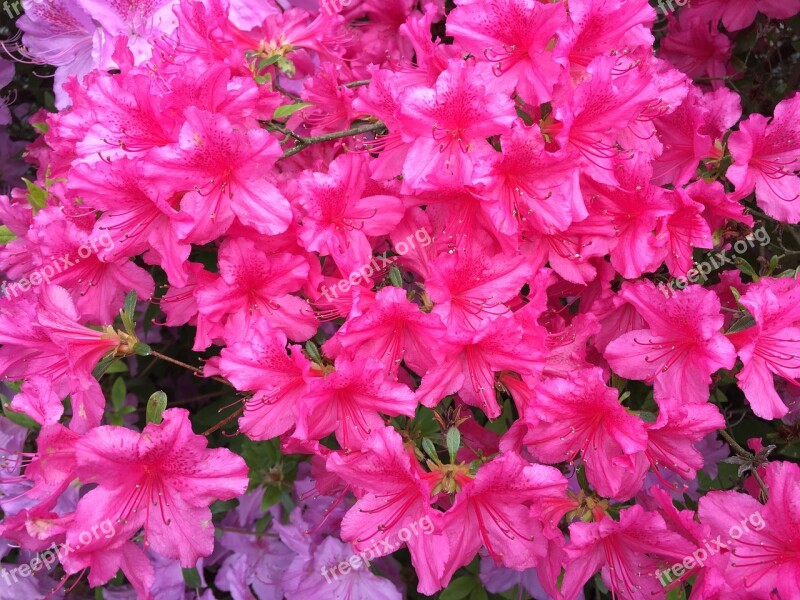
(134, 215)
(471, 285)
(739, 14)
(671, 439)
(449, 123)
(393, 491)
(625, 218)
(45, 339)
(686, 230)
(341, 209)
(718, 206)
(163, 479)
(105, 562)
(698, 49)
(494, 511)
(54, 466)
(685, 143)
(517, 37)
(111, 117)
(766, 158)
(772, 346)
(594, 112)
(252, 284)
(581, 416)
(98, 282)
(60, 33)
(139, 20)
(766, 554)
(682, 347)
(349, 401)
(469, 361)
(515, 200)
(261, 364)
(222, 171)
(601, 27)
(627, 553)
(393, 330)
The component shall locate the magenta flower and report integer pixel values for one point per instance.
(222, 172)
(772, 346)
(516, 36)
(349, 402)
(393, 491)
(682, 347)
(262, 365)
(766, 554)
(766, 157)
(582, 417)
(162, 479)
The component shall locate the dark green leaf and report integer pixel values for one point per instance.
(459, 588)
(192, 578)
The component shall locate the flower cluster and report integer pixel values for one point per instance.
(420, 249)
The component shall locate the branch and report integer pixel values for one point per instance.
(224, 422)
(196, 370)
(306, 142)
(358, 83)
(749, 457)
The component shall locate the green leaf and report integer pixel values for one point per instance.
(746, 322)
(265, 62)
(430, 450)
(746, 268)
(289, 110)
(459, 588)
(118, 366)
(396, 277)
(313, 352)
(155, 407)
(453, 443)
(6, 235)
(286, 66)
(220, 508)
(678, 593)
(41, 127)
(192, 578)
(272, 496)
(103, 366)
(36, 196)
(479, 593)
(141, 349)
(118, 392)
(127, 322)
(130, 305)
